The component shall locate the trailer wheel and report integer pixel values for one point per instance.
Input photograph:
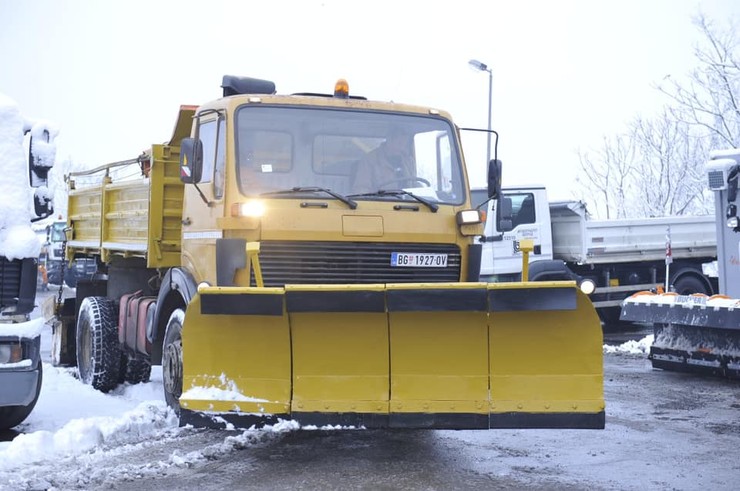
(98, 348)
(11, 416)
(688, 284)
(70, 277)
(172, 360)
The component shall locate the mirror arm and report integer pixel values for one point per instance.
(203, 196)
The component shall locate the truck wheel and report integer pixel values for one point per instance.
(135, 371)
(172, 360)
(687, 284)
(11, 416)
(98, 349)
(70, 278)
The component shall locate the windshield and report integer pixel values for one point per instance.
(57, 232)
(351, 153)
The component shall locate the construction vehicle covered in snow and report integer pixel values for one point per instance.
(698, 332)
(20, 337)
(285, 262)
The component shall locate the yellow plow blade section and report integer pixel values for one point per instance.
(546, 351)
(450, 355)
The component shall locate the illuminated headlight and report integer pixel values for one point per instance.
(587, 286)
(468, 217)
(733, 222)
(10, 353)
(254, 209)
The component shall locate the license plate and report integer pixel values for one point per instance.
(418, 260)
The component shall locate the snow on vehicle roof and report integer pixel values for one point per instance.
(17, 239)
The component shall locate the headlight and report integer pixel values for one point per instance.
(11, 353)
(253, 208)
(587, 286)
(468, 217)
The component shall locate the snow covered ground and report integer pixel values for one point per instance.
(73, 428)
(75, 424)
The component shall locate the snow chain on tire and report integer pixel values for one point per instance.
(98, 348)
(135, 370)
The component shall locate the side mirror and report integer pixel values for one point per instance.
(38, 164)
(732, 184)
(494, 179)
(191, 160)
(42, 206)
(504, 222)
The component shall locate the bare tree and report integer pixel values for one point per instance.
(656, 167)
(607, 176)
(710, 98)
(670, 176)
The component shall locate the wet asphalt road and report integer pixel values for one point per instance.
(664, 431)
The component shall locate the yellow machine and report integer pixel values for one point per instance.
(305, 270)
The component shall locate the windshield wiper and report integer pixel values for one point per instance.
(310, 189)
(398, 192)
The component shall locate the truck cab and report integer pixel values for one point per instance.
(501, 259)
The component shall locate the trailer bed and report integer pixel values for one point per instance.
(578, 239)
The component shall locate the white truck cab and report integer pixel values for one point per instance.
(501, 259)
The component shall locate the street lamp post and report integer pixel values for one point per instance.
(484, 68)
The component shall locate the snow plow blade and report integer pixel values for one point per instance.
(444, 355)
(693, 333)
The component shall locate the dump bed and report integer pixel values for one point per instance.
(140, 217)
(580, 240)
(136, 215)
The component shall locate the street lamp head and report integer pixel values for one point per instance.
(478, 65)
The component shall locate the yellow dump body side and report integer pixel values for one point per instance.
(140, 217)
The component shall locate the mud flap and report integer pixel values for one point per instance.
(457, 355)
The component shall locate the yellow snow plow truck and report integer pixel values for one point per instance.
(311, 257)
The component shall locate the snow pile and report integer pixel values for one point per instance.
(231, 392)
(632, 347)
(74, 431)
(17, 239)
(686, 301)
(28, 330)
(61, 425)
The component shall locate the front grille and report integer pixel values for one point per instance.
(350, 262)
(10, 281)
(716, 180)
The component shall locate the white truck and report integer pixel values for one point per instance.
(58, 269)
(20, 360)
(618, 256)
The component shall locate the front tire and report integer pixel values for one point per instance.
(687, 284)
(172, 360)
(98, 349)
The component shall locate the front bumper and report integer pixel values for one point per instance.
(19, 381)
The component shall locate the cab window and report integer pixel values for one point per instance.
(207, 134)
(522, 208)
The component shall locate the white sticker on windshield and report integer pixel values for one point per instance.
(266, 167)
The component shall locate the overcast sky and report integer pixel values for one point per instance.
(112, 74)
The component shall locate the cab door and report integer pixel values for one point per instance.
(502, 259)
